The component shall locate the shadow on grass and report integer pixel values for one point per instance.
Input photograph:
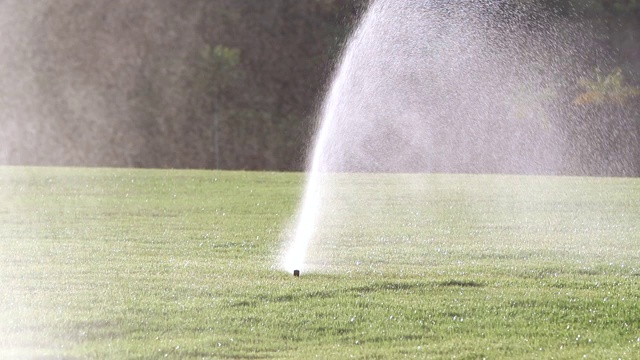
(389, 285)
(374, 287)
(405, 286)
(461, 283)
(289, 297)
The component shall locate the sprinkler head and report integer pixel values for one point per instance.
(296, 273)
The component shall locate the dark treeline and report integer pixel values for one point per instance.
(235, 84)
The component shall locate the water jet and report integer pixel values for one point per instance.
(452, 87)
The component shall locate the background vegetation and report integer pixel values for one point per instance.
(234, 84)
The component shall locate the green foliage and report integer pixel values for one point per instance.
(112, 264)
(224, 57)
(606, 88)
(626, 6)
(220, 59)
(220, 65)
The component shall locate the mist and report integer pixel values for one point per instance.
(237, 84)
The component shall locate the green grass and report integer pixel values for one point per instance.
(112, 263)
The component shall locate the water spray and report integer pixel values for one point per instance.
(452, 88)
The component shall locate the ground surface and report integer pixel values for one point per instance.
(104, 263)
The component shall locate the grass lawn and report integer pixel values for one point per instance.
(118, 263)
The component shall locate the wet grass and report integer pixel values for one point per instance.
(110, 263)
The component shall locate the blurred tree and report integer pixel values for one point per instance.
(606, 88)
(141, 83)
(219, 69)
(604, 127)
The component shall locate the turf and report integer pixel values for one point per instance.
(118, 263)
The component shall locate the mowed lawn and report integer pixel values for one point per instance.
(119, 263)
